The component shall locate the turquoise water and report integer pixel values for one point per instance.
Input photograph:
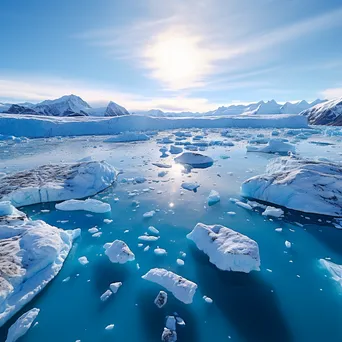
(290, 299)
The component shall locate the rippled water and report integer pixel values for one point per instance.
(290, 299)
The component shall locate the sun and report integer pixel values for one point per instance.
(176, 59)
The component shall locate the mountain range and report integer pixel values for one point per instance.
(319, 112)
(68, 105)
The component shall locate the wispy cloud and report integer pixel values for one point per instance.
(183, 52)
(332, 93)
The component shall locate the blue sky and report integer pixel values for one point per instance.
(172, 55)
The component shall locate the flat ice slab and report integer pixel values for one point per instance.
(196, 160)
(21, 325)
(273, 146)
(183, 289)
(118, 252)
(32, 253)
(57, 182)
(299, 184)
(92, 205)
(47, 126)
(227, 249)
(128, 137)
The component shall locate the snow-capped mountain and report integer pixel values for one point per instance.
(326, 113)
(113, 109)
(68, 105)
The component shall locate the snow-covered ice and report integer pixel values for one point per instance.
(273, 146)
(32, 253)
(182, 288)
(118, 252)
(57, 182)
(299, 184)
(21, 325)
(226, 248)
(83, 260)
(274, 212)
(196, 160)
(92, 205)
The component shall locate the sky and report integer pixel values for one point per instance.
(174, 55)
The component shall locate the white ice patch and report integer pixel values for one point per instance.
(32, 253)
(118, 252)
(92, 205)
(196, 160)
(180, 287)
(213, 198)
(274, 212)
(273, 146)
(226, 248)
(57, 182)
(335, 270)
(21, 325)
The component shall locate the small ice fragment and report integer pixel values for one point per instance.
(288, 244)
(153, 230)
(274, 212)
(231, 213)
(243, 205)
(207, 299)
(109, 327)
(146, 248)
(160, 251)
(96, 235)
(190, 186)
(161, 299)
(148, 238)
(171, 323)
(65, 280)
(118, 252)
(106, 295)
(213, 198)
(89, 204)
(83, 260)
(180, 262)
(279, 230)
(169, 335)
(149, 214)
(93, 230)
(107, 221)
(114, 287)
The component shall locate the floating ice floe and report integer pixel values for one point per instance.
(162, 165)
(118, 252)
(335, 270)
(227, 249)
(148, 238)
(207, 299)
(127, 137)
(106, 295)
(83, 260)
(273, 146)
(21, 325)
(244, 205)
(175, 149)
(190, 186)
(161, 299)
(114, 287)
(274, 212)
(32, 253)
(54, 183)
(288, 244)
(169, 335)
(180, 262)
(182, 288)
(92, 205)
(153, 230)
(162, 173)
(93, 230)
(160, 251)
(109, 327)
(213, 198)
(196, 160)
(299, 184)
(149, 214)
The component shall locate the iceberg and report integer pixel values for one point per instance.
(299, 184)
(227, 249)
(271, 211)
(92, 205)
(183, 289)
(21, 325)
(273, 146)
(196, 160)
(32, 254)
(118, 252)
(57, 182)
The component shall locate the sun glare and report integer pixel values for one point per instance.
(176, 59)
